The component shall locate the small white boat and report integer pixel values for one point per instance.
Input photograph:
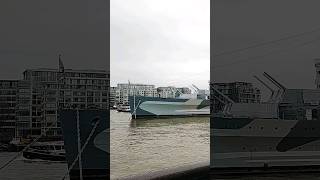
(123, 108)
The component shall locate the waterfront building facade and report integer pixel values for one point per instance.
(8, 101)
(317, 66)
(239, 92)
(43, 92)
(123, 91)
(184, 90)
(167, 92)
(113, 94)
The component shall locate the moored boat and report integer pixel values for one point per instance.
(51, 151)
(155, 107)
(86, 139)
(282, 132)
(18, 144)
(123, 108)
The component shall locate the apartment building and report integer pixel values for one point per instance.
(43, 92)
(8, 101)
(113, 94)
(123, 91)
(240, 92)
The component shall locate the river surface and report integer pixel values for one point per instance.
(138, 147)
(141, 146)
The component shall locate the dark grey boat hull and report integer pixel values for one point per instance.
(96, 156)
(43, 156)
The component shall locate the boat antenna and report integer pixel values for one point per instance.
(179, 91)
(268, 87)
(134, 100)
(228, 102)
(274, 81)
(198, 90)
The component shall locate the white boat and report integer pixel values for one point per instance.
(123, 108)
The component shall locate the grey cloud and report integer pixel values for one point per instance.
(240, 24)
(33, 32)
(152, 43)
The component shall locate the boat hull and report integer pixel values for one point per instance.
(153, 107)
(96, 156)
(264, 143)
(43, 156)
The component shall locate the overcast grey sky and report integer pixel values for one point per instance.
(33, 32)
(239, 24)
(160, 42)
